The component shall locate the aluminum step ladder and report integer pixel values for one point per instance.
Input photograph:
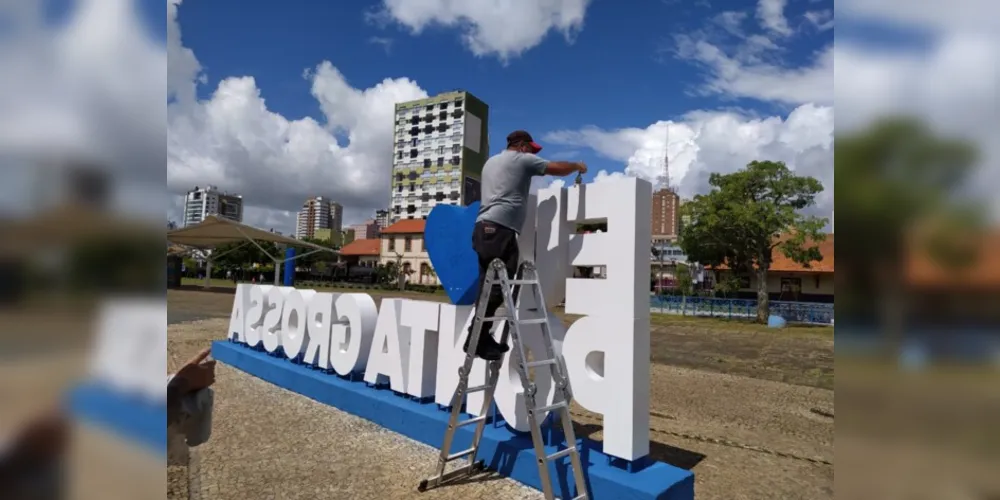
(497, 276)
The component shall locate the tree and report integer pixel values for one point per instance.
(890, 178)
(748, 215)
(685, 282)
(310, 258)
(726, 284)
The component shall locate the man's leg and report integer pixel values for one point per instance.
(490, 242)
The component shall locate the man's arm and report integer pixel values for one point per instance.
(539, 166)
(564, 168)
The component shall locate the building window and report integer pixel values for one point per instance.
(399, 155)
(443, 105)
(427, 162)
(455, 160)
(456, 148)
(441, 161)
(440, 150)
(458, 103)
(407, 244)
(392, 243)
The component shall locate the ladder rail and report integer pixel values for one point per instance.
(511, 288)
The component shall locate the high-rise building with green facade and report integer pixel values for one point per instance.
(441, 144)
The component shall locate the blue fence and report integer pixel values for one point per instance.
(797, 312)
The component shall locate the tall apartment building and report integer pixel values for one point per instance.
(441, 144)
(201, 202)
(319, 213)
(367, 230)
(666, 215)
(382, 218)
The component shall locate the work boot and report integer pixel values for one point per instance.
(488, 348)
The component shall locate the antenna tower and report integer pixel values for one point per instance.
(664, 180)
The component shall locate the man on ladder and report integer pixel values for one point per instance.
(505, 185)
(506, 180)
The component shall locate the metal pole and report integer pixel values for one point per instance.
(659, 285)
(208, 271)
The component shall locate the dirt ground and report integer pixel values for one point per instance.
(749, 410)
(800, 355)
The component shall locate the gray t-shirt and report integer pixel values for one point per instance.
(506, 180)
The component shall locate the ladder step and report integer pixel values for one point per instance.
(476, 388)
(463, 453)
(495, 318)
(523, 282)
(470, 421)
(529, 321)
(543, 362)
(561, 453)
(541, 410)
(581, 497)
(532, 321)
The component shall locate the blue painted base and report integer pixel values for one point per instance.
(509, 453)
(129, 417)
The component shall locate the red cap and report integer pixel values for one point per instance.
(519, 136)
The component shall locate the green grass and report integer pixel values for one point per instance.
(224, 283)
(740, 324)
(215, 282)
(663, 320)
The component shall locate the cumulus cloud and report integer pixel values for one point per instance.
(944, 18)
(490, 28)
(952, 88)
(92, 91)
(771, 14)
(741, 64)
(703, 142)
(234, 141)
(822, 20)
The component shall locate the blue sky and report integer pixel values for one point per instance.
(615, 73)
(730, 81)
(597, 80)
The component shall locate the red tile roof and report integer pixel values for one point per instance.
(983, 270)
(781, 263)
(406, 226)
(361, 247)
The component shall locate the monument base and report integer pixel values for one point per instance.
(129, 417)
(509, 453)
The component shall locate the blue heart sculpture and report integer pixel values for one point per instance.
(448, 240)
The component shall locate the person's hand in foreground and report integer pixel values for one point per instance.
(196, 374)
(28, 462)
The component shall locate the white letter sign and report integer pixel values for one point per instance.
(416, 346)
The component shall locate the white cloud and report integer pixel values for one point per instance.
(952, 87)
(385, 43)
(746, 75)
(945, 18)
(79, 92)
(704, 142)
(741, 62)
(822, 20)
(731, 21)
(490, 28)
(234, 141)
(771, 14)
